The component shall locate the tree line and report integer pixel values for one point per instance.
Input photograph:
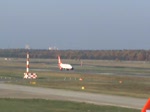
(130, 55)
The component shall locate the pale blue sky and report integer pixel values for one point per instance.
(75, 24)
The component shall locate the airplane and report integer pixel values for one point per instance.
(146, 107)
(64, 66)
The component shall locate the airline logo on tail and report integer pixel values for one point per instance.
(146, 107)
(64, 66)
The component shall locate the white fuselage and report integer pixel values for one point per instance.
(66, 66)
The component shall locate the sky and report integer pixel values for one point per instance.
(75, 24)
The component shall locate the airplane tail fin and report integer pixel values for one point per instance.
(146, 107)
(59, 62)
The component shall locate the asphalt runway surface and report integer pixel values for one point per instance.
(18, 91)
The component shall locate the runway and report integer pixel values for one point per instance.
(18, 91)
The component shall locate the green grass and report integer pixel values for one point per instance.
(95, 79)
(93, 72)
(39, 105)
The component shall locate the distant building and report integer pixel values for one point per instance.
(52, 48)
(27, 47)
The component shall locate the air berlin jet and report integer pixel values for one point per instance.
(64, 66)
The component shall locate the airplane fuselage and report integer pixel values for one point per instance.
(65, 66)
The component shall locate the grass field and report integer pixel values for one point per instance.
(108, 77)
(99, 76)
(38, 105)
